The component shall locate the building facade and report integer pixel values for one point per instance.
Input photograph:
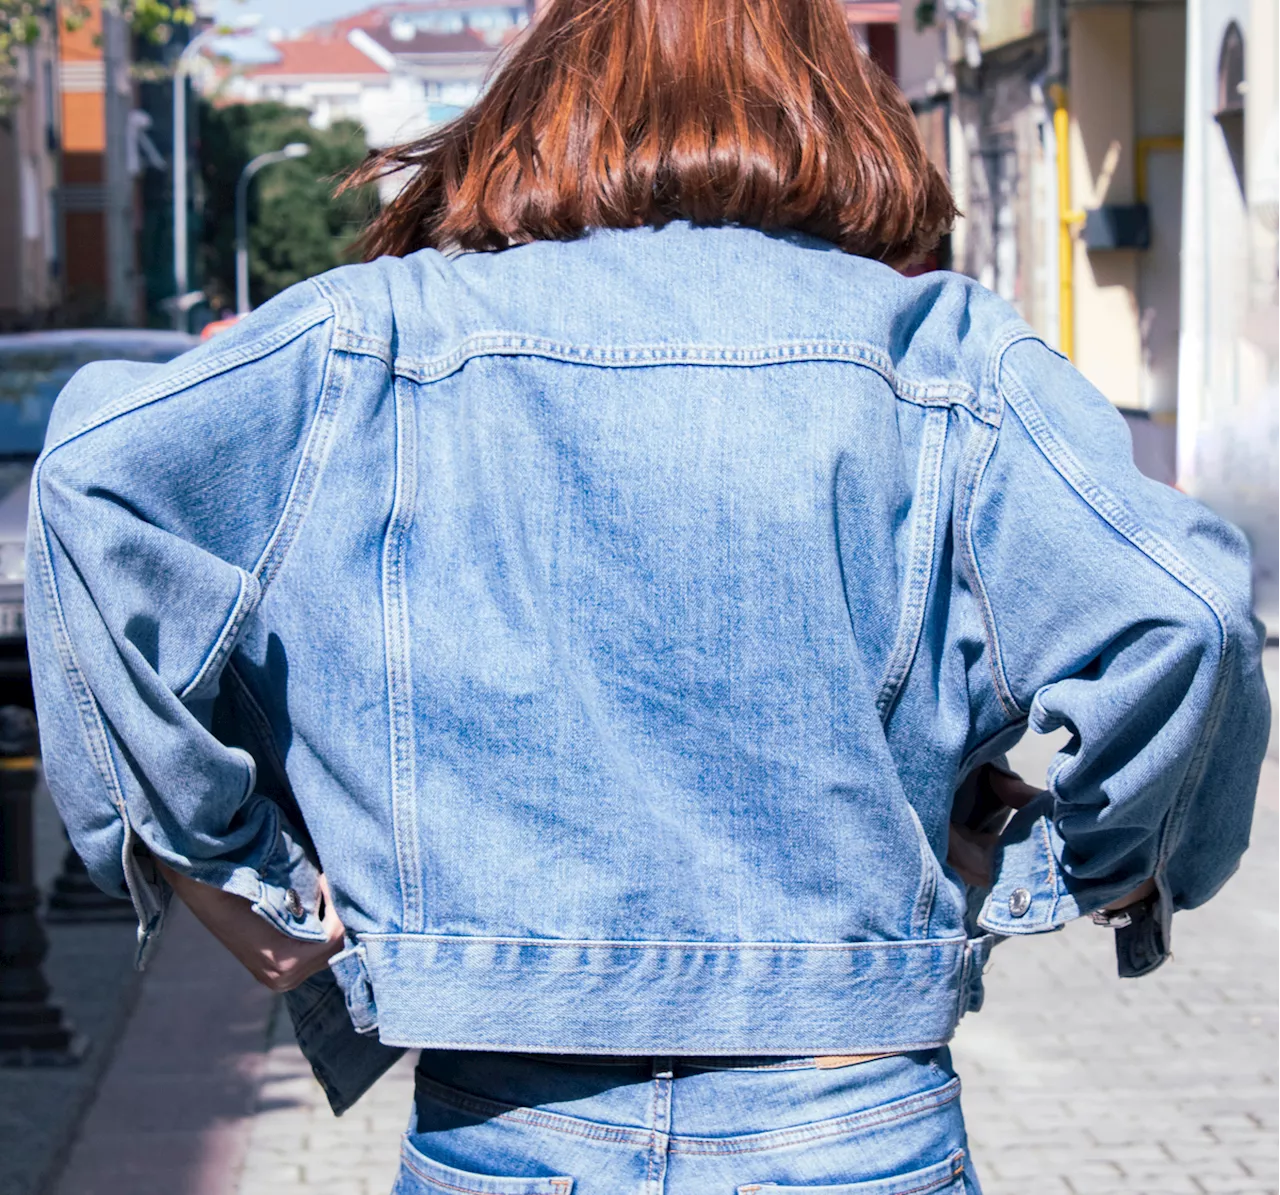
(1115, 161)
(30, 245)
(1227, 366)
(101, 213)
(397, 69)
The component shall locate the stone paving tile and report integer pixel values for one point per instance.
(1077, 1080)
(296, 1144)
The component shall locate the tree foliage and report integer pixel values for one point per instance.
(297, 226)
(24, 22)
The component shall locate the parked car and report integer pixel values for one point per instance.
(34, 367)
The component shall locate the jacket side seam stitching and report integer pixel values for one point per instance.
(969, 556)
(923, 542)
(1015, 332)
(401, 739)
(228, 360)
(92, 726)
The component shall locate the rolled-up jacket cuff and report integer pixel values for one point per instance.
(1030, 896)
(1027, 895)
(283, 886)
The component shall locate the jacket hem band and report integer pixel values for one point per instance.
(699, 998)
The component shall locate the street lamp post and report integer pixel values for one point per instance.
(183, 300)
(295, 149)
(180, 250)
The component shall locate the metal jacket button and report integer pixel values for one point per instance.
(293, 902)
(1019, 902)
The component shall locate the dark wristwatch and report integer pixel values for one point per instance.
(1140, 945)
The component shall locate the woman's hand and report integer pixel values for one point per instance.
(272, 958)
(971, 853)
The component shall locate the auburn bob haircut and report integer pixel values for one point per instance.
(621, 113)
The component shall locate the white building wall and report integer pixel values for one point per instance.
(1227, 400)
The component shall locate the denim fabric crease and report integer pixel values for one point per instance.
(613, 623)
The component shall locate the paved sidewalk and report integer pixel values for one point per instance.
(297, 1145)
(90, 969)
(1091, 1085)
(174, 1112)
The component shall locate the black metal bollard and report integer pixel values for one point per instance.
(75, 897)
(32, 1029)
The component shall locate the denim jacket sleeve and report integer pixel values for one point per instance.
(159, 509)
(1120, 609)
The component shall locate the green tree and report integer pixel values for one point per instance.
(297, 225)
(23, 21)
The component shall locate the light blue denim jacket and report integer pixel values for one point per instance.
(614, 622)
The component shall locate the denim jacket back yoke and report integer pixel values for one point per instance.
(614, 621)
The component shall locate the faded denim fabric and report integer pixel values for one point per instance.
(496, 1124)
(614, 621)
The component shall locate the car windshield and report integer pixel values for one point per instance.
(32, 377)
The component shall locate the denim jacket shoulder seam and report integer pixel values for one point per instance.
(255, 582)
(303, 482)
(222, 363)
(1107, 507)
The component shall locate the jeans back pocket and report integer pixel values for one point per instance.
(421, 1175)
(942, 1178)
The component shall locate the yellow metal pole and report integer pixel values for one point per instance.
(1067, 216)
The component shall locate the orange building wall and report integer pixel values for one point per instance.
(84, 143)
(83, 112)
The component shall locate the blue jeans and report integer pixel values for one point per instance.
(495, 1124)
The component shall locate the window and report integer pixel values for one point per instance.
(1230, 105)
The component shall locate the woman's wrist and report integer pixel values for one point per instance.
(274, 959)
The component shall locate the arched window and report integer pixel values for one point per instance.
(1231, 72)
(1230, 106)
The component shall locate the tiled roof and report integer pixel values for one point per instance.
(383, 14)
(423, 42)
(315, 56)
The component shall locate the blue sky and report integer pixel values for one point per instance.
(289, 14)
